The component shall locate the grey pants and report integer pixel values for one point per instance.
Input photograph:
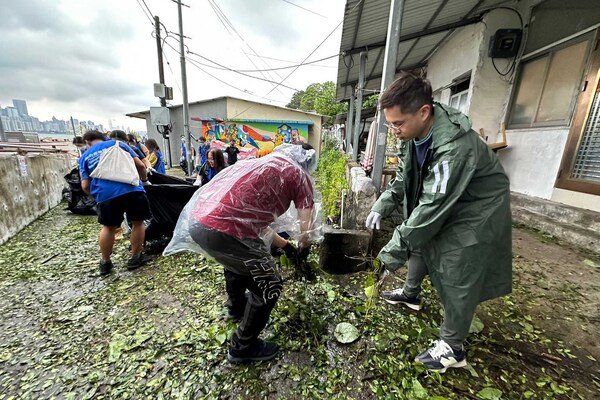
(457, 321)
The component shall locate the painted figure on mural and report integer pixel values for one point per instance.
(295, 136)
(232, 132)
(278, 139)
(286, 132)
(210, 132)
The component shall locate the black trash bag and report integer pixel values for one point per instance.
(78, 202)
(167, 196)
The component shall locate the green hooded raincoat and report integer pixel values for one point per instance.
(457, 211)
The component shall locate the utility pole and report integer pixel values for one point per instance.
(73, 126)
(186, 117)
(163, 101)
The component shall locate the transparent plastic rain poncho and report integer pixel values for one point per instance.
(253, 199)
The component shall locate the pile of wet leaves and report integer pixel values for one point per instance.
(161, 332)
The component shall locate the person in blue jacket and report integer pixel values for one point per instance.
(215, 162)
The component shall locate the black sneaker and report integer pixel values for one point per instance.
(441, 356)
(397, 296)
(262, 351)
(137, 261)
(105, 267)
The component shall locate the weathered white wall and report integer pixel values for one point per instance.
(24, 198)
(490, 92)
(457, 56)
(532, 159)
(533, 156)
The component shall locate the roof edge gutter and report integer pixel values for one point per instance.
(426, 32)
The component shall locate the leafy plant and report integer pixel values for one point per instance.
(331, 177)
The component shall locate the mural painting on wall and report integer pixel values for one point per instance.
(253, 138)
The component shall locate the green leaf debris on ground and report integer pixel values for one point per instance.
(161, 333)
(346, 333)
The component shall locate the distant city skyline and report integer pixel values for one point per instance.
(97, 60)
(16, 118)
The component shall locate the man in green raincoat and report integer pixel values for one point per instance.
(457, 226)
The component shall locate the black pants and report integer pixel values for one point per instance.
(248, 266)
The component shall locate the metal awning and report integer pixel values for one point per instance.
(425, 25)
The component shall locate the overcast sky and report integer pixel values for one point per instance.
(97, 60)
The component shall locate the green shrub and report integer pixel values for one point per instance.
(331, 177)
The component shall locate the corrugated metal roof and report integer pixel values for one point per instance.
(425, 25)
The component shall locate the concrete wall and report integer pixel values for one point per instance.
(359, 199)
(24, 198)
(241, 109)
(490, 92)
(456, 57)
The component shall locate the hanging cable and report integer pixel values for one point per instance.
(229, 27)
(146, 12)
(512, 66)
(306, 9)
(307, 57)
(260, 70)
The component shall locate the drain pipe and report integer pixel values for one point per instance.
(342, 209)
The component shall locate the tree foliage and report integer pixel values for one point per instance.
(319, 98)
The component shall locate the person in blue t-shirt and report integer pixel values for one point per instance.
(156, 157)
(114, 199)
(203, 148)
(118, 134)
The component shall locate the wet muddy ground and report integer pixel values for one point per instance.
(160, 332)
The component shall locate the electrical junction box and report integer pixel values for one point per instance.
(505, 43)
(159, 90)
(160, 116)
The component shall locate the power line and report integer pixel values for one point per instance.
(197, 65)
(240, 73)
(305, 9)
(194, 63)
(307, 57)
(262, 70)
(145, 13)
(287, 61)
(226, 22)
(147, 8)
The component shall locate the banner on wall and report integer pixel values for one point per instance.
(254, 138)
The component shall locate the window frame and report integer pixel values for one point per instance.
(591, 80)
(590, 38)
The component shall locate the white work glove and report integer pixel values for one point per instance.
(146, 183)
(374, 220)
(150, 170)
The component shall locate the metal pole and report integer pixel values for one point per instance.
(389, 71)
(359, 97)
(350, 118)
(163, 101)
(186, 117)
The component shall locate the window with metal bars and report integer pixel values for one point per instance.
(587, 161)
